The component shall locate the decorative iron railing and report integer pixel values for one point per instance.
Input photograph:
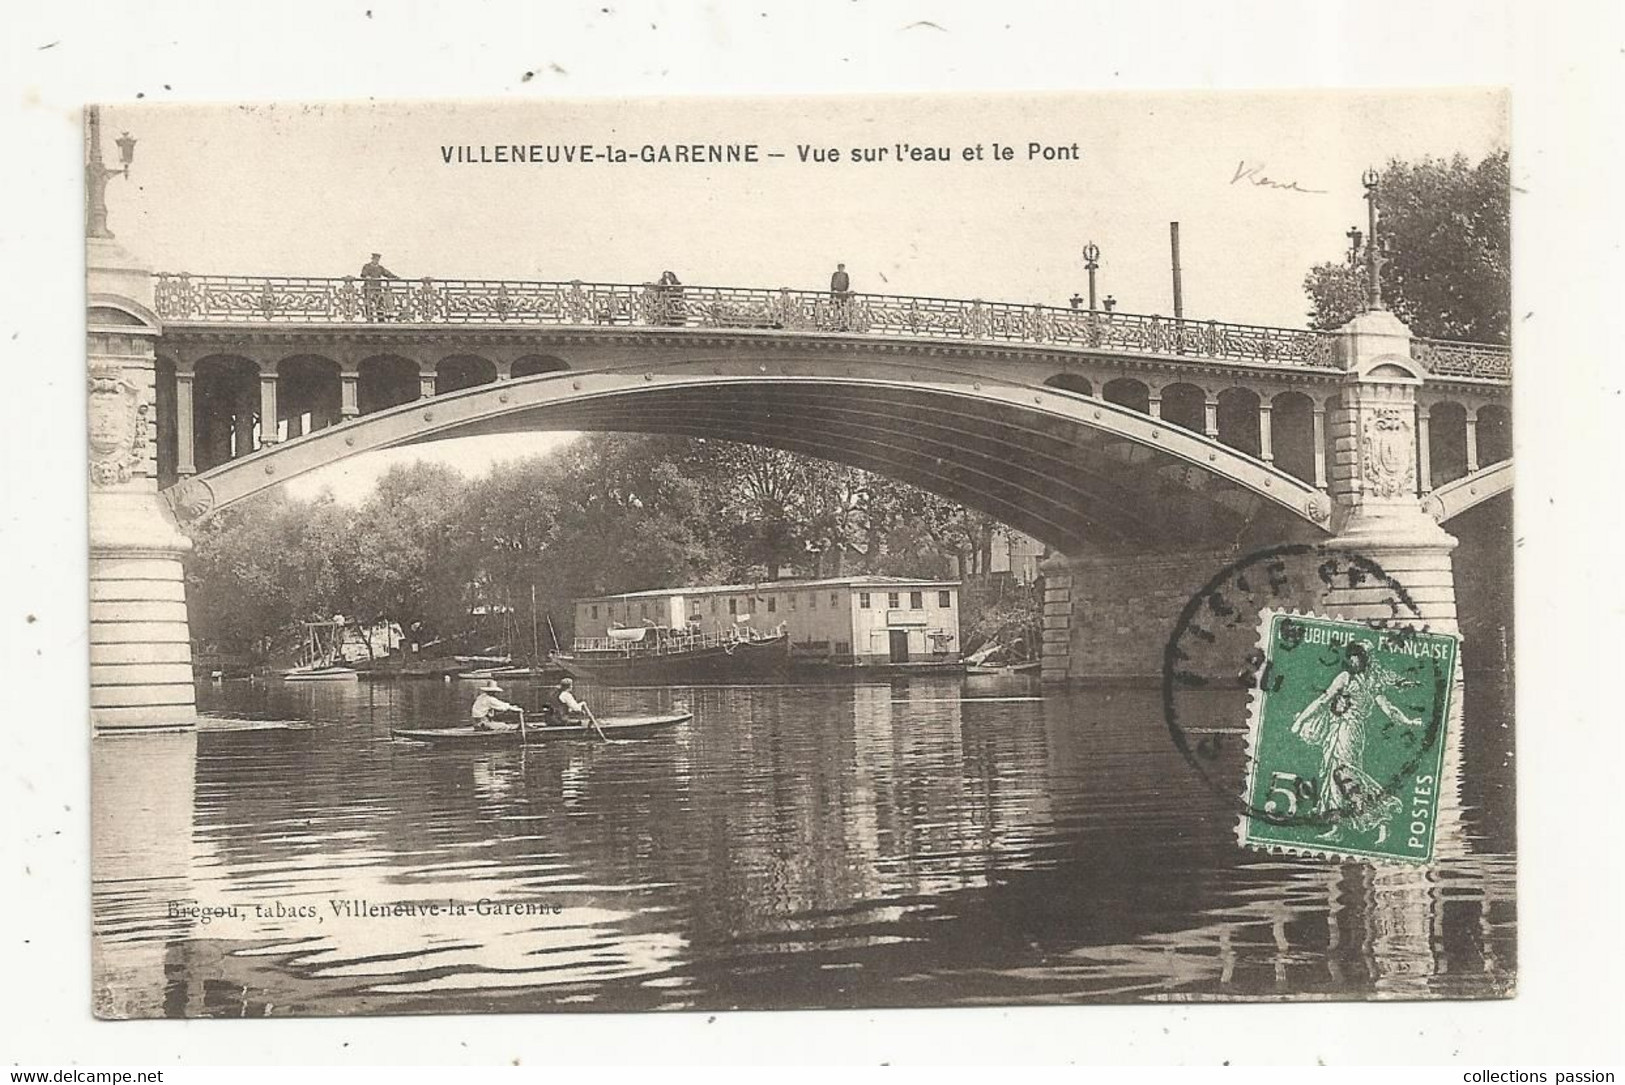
(660, 642)
(1483, 361)
(235, 299)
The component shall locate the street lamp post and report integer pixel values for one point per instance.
(97, 175)
(1091, 263)
(1374, 258)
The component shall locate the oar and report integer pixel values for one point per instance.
(594, 721)
(523, 734)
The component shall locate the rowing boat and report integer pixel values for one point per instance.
(318, 674)
(619, 726)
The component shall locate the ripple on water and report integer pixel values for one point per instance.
(913, 842)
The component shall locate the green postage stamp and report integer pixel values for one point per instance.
(1347, 737)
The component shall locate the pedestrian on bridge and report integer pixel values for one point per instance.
(669, 293)
(840, 296)
(373, 274)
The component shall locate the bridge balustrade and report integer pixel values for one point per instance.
(1475, 361)
(235, 299)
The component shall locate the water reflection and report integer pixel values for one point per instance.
(918, 842)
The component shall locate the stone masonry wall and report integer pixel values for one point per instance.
(1120, 612)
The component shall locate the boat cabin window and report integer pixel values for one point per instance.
(834, 600)
(916, 600)
(943, 600)
(772, 604)
(713, 604)
(595, 611)
(643, 610)
(893, 600)
(792, 598)
(863, 600)
(733, 606)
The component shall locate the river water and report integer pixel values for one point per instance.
(918, 841)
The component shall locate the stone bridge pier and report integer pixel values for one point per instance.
(1109, 616)
(140, 647)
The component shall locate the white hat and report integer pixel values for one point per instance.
(490, 686)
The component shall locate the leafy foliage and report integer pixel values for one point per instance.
(1448, 276)
(430, 549)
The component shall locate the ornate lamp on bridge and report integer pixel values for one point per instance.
(98, 174)
(1091, 263)
(1375, 255)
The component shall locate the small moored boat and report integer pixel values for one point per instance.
(321, 659)
(613, 726)
(318, 674)
(1030, 666)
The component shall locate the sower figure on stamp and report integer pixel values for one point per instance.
(1336, 721)
(373, 274)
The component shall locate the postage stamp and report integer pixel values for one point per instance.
(1346, 738)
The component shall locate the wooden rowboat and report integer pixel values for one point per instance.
(1031, 666)
(613, 726)
(332, 673)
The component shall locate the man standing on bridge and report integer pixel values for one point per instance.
(840, 296)
(373, 274)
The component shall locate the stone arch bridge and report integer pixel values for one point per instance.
(1109, 436)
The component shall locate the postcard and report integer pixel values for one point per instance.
(800, 553)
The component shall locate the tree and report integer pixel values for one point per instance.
(610, 513)
(260, 571)
(408, 551)
(1448, 273)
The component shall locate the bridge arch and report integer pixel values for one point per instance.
(530, 365)
(1238, 420)
(1292, 434)
(1447, 442)
(1070, 471)
(1185, 405)
(308, 394)
(1071, 382)
(1128, 392)
(387, 380)
(226, 421)
(1494, 433)
(455, 372)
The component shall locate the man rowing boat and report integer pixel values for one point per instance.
(486, 706)
(566, 708)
